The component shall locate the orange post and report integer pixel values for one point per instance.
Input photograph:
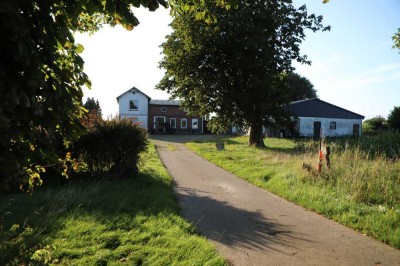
(320, 161)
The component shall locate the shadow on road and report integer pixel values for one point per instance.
(231, 226)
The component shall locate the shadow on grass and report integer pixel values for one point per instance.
(38, 217)
(235, 227)
(287, 150)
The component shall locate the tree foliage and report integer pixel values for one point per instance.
(298, 87)
(41, 75)
(93, 106)
(376, 123)
(396, 40)
(394, 118)
(232, 64)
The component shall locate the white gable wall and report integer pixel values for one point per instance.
(143, 107)
(343, 126)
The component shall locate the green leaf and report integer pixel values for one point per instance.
(79, 48)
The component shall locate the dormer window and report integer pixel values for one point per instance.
(164, 109)
(133, 105)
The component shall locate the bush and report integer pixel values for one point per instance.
(111, 146)
(377, 123)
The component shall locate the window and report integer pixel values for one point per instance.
(195, 123)
(163, 109)
(184, 123)
(133, 105)
(332, 125)
(172, 122)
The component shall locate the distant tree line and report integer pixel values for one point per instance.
(379, 123)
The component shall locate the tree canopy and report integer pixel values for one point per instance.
(376, 123)
(393, 120)
(233, 65)
(41, 76)
(298, 87)
(93, 106)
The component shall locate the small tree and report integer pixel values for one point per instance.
(93, 106)
(375, 124)
(394, 118)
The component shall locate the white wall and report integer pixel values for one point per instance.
(343, 126)
(143, 107)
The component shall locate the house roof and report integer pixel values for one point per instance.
(164, 102)
(134, 90)
(318, 108)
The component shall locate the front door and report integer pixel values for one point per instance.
(160, 125)
(317, 129)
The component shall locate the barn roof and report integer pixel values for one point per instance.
(164, 102)
(318, 108)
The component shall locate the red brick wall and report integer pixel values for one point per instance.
(172, 111)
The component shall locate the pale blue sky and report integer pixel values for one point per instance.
(353, 65)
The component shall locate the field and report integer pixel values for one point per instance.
(361, 190)
(125, 222)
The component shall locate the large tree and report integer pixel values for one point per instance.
(233, 64)
(41, 76)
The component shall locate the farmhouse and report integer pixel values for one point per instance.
(315, 115)
(158, 116)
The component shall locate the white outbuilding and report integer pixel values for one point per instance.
(315, 116)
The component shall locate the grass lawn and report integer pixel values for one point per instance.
(124, 222)
(358, 192)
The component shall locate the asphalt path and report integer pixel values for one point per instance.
(250, 226)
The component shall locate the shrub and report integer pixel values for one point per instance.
(377, 123)
(111, 145)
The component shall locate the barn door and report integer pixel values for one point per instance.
(356, 130)
(317, 129)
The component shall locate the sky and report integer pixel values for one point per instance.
(353, 65)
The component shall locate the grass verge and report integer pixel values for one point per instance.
(357, 192)
(125, 222)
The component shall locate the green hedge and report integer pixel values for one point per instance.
(111, 145)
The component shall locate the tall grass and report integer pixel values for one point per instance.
(126, 222)
(367, 169)
(360, 190)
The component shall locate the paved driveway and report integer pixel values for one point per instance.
(250, 226)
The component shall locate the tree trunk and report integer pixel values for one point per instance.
(256, 136)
